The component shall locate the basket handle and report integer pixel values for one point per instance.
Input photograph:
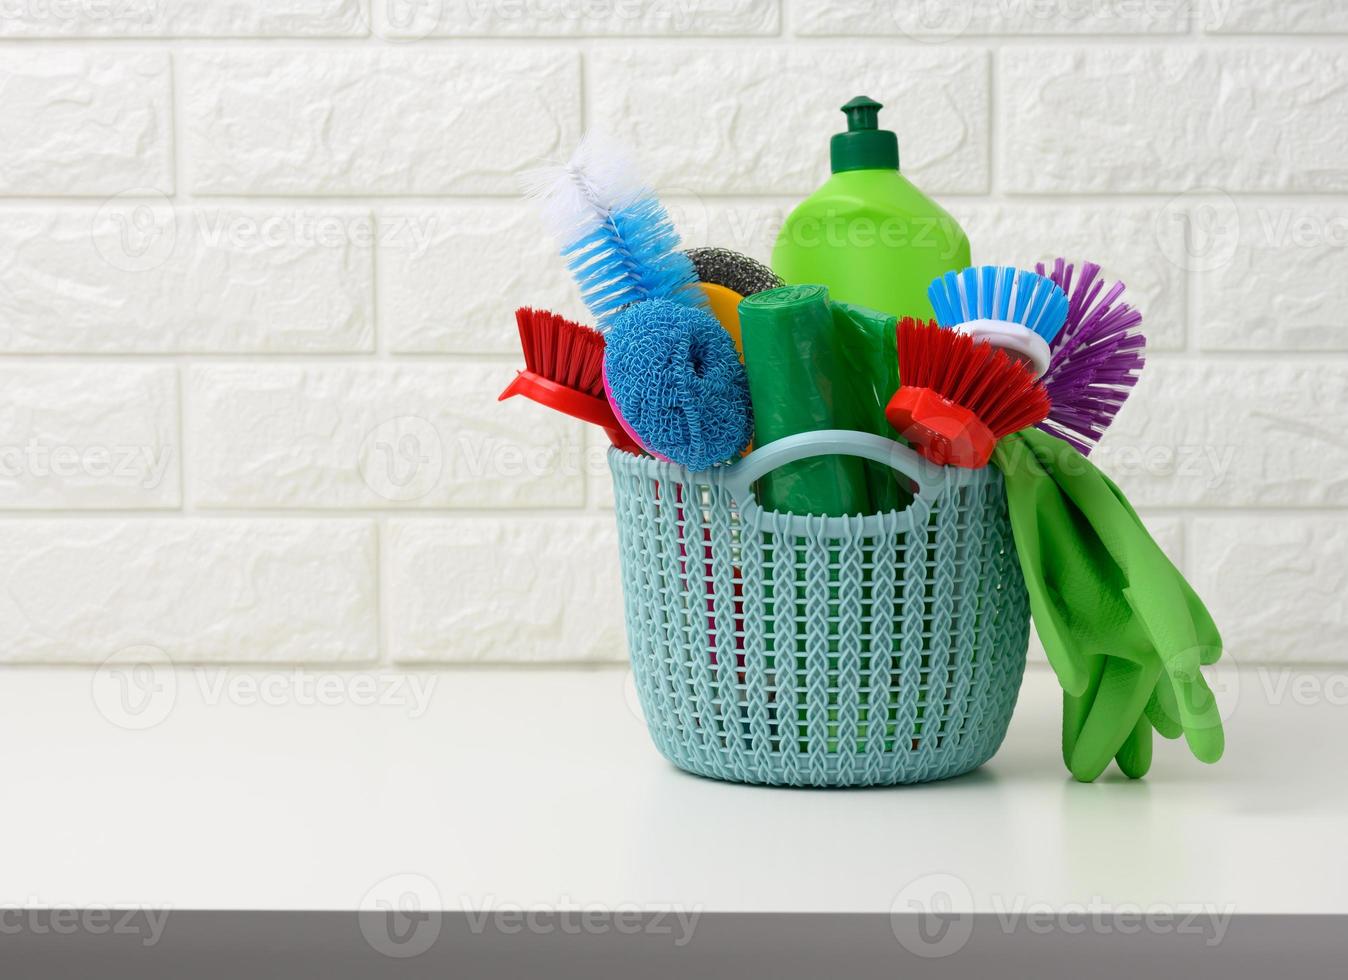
(740, 478)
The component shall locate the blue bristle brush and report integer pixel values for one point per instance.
(1016, 310)
(616, 236)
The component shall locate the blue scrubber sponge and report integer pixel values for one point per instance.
(675, 378)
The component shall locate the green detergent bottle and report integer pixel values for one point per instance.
(869, 234)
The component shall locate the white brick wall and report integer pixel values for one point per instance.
(259, 262)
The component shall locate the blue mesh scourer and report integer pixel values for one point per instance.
(674, 375)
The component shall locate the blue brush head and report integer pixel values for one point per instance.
(675, 377)
(993, 292)
(630, 257)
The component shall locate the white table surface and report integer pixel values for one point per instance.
(540, 788)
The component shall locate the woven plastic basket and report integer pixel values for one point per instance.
(820, 651)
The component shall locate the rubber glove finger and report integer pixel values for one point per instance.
(1181, 652)
(1196, 708)
(1124, 690)
(1162, 710)
(1075, 710)
(1202, 720)
(1135, 756)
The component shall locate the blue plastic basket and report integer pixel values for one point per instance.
(821, 651)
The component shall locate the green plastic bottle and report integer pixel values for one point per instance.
(869, 234)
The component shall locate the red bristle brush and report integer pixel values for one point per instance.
(564, 370)
(958, 395)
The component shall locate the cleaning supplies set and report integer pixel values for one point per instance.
(849, 602)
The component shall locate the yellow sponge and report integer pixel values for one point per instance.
(725, 307)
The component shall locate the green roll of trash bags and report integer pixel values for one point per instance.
(868, 342)
(1123, 630)
(799, 382)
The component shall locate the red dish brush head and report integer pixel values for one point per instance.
(564, 370)
(562, 351)
(959, 396)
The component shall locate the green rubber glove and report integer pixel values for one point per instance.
(1123, 630)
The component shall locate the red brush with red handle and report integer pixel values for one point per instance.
(959, 396)
(564, 370)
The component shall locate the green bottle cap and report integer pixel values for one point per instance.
(864, 146)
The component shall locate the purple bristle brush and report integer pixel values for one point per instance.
(1095, 359)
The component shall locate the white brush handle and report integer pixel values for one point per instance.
(1016, 339)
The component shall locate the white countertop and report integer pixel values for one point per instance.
(541, 788)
